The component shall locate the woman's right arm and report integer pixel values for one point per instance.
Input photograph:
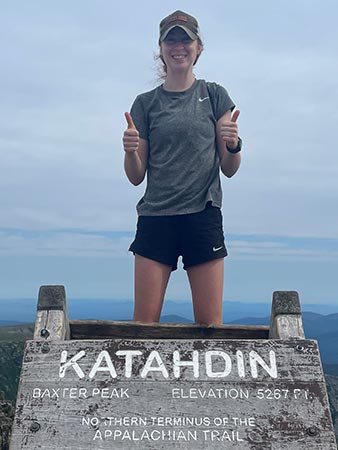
(136, 153)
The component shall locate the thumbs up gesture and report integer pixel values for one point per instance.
(131, 139)
(229, 131)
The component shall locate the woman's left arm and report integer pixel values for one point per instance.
(227, 137)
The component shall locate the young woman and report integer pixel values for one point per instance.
(180, 134)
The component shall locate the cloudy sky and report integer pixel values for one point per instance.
(69, 70)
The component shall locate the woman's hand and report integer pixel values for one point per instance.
(227, 139)
(229, 131)
(131, 139)
(136, 153)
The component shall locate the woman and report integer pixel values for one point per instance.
(181, 134)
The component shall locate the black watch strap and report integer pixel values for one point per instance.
(238, 148)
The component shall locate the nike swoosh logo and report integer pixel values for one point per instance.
(202, 99)
(214, 249)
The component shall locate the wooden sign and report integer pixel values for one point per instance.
(172, 394)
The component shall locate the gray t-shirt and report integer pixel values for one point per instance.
(183, 162)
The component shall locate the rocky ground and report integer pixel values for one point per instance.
(6, 419)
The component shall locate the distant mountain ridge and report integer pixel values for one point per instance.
(7, 323)
(24, 310)
(174, 318)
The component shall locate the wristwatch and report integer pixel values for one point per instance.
(236, 149)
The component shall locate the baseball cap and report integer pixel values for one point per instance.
(180, 19)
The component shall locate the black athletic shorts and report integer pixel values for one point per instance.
(197, 237)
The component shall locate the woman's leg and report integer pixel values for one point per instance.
(206, 283)
(151, 280)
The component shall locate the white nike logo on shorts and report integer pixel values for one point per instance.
(214, 249)
(202, 99)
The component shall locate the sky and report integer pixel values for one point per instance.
(69, 71)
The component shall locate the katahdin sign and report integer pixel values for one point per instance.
(165, 393)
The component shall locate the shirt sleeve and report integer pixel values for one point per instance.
(221, 100)
(140, 118)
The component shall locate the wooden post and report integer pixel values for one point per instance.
(286, 317)
(51, 318)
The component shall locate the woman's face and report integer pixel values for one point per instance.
(178, 51)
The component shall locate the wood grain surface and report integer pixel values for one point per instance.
(172, 394)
